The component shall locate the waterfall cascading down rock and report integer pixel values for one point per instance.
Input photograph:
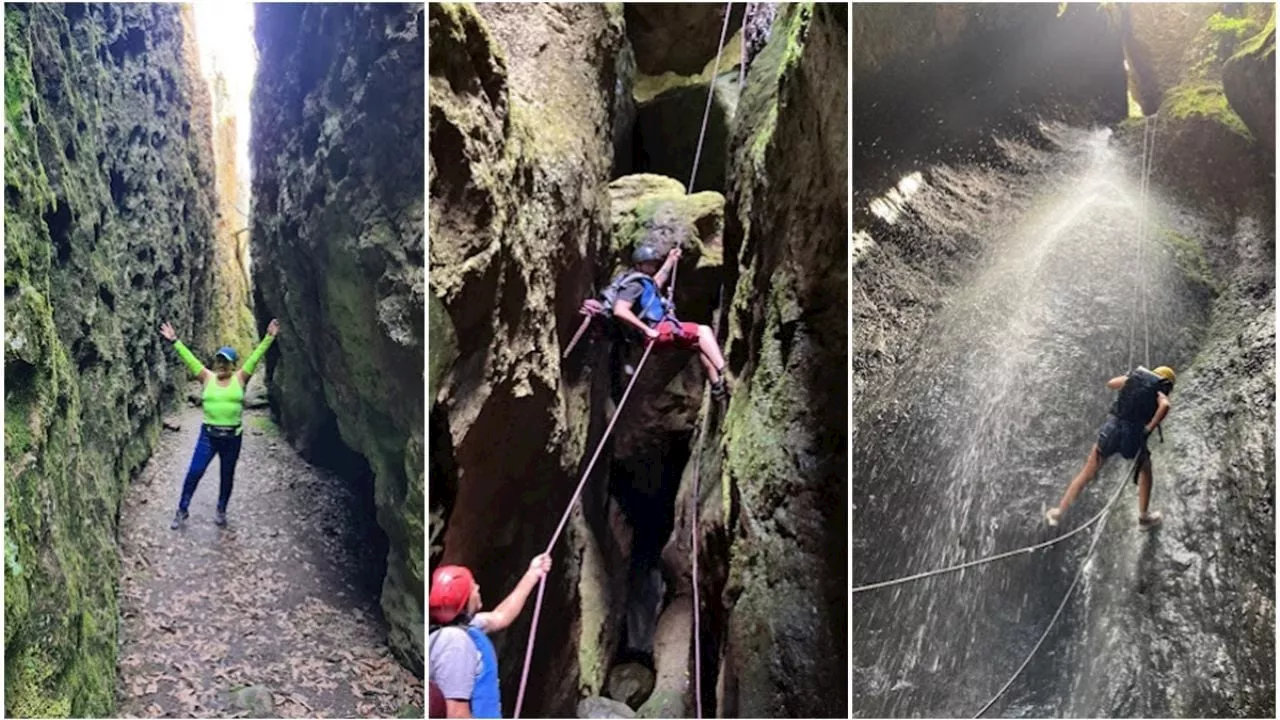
(109, 215)
(337, 223)
(997, 287)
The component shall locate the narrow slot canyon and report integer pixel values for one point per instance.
(245, 180)
(562, 138)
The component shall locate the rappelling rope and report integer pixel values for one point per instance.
(1148, 154)
(542, 582)
(1148, 151)
(983, 561)
(1146, 229)
(702, 432)
(1061, 605)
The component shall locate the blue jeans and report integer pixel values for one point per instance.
(228, 451)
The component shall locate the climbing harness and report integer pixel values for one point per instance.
(1140, 305)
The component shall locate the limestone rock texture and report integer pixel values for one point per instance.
(337, 226)
(109, 215)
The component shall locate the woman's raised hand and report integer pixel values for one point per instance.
(167, 332)
(273, 327)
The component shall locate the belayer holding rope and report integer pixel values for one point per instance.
(1137, 411)
(461, 658)
(635, 299)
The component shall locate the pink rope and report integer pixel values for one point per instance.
(671, 289)
(542, 583)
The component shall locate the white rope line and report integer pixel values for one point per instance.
(982, 561)
(1062, 605)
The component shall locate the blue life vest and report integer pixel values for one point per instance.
(651, 308)
(486, 698)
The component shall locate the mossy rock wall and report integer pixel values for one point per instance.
(523, 104)
(337, 226)
(108, 220)
(1249, 82)
(782, 485)
(1204, 151)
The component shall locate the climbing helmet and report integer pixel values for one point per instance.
(450, 590)
(1167, 373)
(645, 253)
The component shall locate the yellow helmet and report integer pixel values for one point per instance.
(1167, 373)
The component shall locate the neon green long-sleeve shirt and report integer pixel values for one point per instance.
(223, 404)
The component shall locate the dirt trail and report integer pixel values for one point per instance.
(284, 597)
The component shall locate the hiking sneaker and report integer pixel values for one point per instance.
(178, 517)
(220, 518)
(1148, 521)
(1051, 516)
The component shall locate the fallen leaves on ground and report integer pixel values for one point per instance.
(271, 600)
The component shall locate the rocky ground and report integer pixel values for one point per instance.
(275, 615)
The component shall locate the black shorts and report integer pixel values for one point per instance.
(1120, 436)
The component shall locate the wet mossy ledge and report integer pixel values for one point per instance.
(108, 220)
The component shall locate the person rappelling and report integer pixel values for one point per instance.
(634, 298)
(1137, 411)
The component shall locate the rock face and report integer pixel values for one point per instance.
(523, 104)
(1205, 150)
(1249, 81)
(232, 319)
(677, 37)
(960, 71)
(525, 224)
(108, 220)
(338, 234)
(1178, 622)
(782, 476)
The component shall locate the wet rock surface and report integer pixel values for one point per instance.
(107, 227)
(338, 257)
(275, 615)
(1177, 621)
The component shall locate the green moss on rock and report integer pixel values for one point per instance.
(86, 276)
(1205, 101)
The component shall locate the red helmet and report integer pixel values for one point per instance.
(450, 590)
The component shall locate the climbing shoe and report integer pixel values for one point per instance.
(1148, 521)
(1051, 516)
(178, 517)
(220, 518)
(720, 389)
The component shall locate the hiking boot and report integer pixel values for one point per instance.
(720, 389)
(178, 517)
(220, 518)
(1148, 521)
(1052, 515)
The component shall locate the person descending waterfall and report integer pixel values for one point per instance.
(223, 402)
(635, 298)
(1137, 411)
(462, 662)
